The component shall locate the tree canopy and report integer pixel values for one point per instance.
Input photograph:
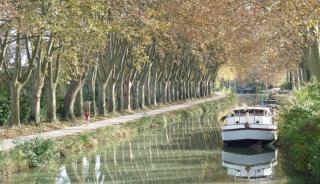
(160, 50)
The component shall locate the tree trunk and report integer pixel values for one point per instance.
(69, 100)
(102, 98)
(15, 88)
(209, 89)
(183, 91)
(189, 92)
(177, 90)
(148, 86)
(51, 86)
(154, 90)
(38, 82)
(79, 103)
(169, 86)
(164, 91)
(180, 88)
(298, 78)
(35, 109)
(198, 87)
(52, 106)
(92, 91)
(173, 92)
(159, 91)
(142, 94)
(127, 95)
(121, 95)
(111, 97)
(136, 96)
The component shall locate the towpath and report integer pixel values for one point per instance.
(8, 144)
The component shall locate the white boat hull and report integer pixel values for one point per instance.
(240, 133)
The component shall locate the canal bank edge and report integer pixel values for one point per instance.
(14, 160)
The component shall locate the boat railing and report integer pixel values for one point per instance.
(257, 120)
(268, 115)
(242, 123)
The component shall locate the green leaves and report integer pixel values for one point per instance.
(4, 106)
(37, 152)
(300, 129)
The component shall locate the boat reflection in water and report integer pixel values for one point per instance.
(248, 163)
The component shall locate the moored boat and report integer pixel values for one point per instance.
(250, 125)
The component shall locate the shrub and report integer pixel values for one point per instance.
(37, 152)
(300, 129)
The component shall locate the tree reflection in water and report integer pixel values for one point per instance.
(174, 153)
(63, 177)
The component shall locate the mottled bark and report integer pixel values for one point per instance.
(79, 103)
(92, 88)
(136, 104)
(169, 92)
(120, 94)
(128, 83)
(164, 91)
(15, 89)
(148, 86)
(52, 102)
(3, 47)
(69, 100)
(102, 98)
(142, 94)
(35, 104)
(51, 86)
(154, 83)
(111, 97)
(127, 95)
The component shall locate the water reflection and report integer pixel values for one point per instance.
(186, 151)
(177, 153)
(249, 163)
(63, 177)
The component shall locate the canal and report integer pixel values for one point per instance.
(186, 151)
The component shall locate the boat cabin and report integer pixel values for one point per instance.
(251, 111)
(251, 115)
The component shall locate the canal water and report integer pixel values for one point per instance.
(188, 151)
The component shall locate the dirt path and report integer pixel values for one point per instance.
(8, 144)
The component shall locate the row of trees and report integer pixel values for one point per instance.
(128, 54)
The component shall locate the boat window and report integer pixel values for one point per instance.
(251, 111)
(259, 112)
(239, 112)
(257, 122)
(243, 112)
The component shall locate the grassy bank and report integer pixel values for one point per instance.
(300, 130)
(39, 153)
(7, 132)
